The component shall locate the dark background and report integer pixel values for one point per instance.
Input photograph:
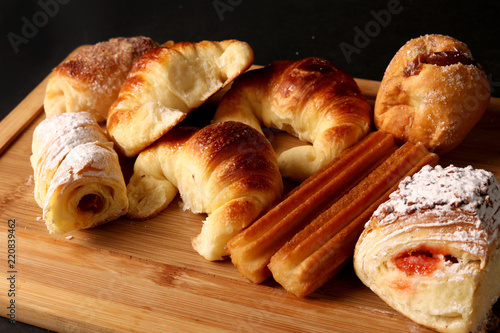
(275, 29)
(360, 36)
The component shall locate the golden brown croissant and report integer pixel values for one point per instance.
(168, 83)
(432, 251)
(227, 170)
(90, 79)
(311, 99)
(78, 179)
(432, 92)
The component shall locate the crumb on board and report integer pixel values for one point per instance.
(69, 237)
(30, 181)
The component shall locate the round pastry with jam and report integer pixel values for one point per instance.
(433, 91)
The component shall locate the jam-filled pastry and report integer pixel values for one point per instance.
(311, 99)
(433, 92)
(227, 170)
(90, 79)
(432, 251)
(78, 179)
(166, 84)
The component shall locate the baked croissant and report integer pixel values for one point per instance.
(432, 250)
(226, 170)
(168, 83)
(90, 79)
(78, 180)
(311, 99)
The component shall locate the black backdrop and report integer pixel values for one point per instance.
(360, 36)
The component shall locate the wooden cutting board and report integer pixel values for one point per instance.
(131, 276)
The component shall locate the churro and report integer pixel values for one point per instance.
(252, 248)
(318, 252)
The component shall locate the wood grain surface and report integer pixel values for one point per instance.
(131, 276)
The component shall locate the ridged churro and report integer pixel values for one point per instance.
(252, 249)
(317, 252)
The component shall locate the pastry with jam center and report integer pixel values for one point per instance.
(432, 251)
(433, 92)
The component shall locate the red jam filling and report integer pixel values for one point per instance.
(91, 203)
(444, 58)
(403, 285)
(422, 261)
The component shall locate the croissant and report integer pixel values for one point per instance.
(227, 170)
(432, 251)
(311, 99)
(78, 179)
(90, 79)
(168, 83)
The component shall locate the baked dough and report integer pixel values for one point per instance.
(78, 179)
(432, 250)
(311, 99)
(432, 92)
(90, 79)
(226, 170)
(168, 83)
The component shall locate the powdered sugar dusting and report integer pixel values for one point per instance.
(443, 190)
(54, 138)
(65, 143)
(69, 146)
(56, 126)
(90, 159)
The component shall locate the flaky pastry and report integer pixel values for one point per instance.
(78, 179)
(432, 251)
(311, 99)
(166, 84)
(432, 92)
(90, 79)
(226, 170)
